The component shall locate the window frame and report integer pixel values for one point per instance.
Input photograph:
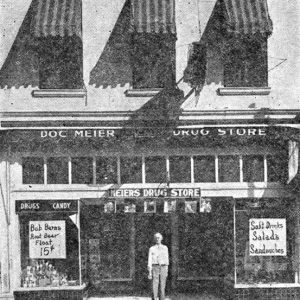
(293, 249)
(190, 156)
(252, 66)
(164, 48)
(68, 50)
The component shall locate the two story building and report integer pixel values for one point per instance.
(124, 118)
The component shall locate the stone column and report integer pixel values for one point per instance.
(4, 226)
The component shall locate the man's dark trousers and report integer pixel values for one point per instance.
(159, 277)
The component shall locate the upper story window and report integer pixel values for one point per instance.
(246, 64)
(57, 26)
(153, 43)
(238, 31)
(247, 26)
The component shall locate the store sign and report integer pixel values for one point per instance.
(47, 239)
(101, 133)
(267, 237)
(23, 206)
(150, 192)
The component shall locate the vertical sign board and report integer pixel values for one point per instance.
(267, 237)
(47, 239)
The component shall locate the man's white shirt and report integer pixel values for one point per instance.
(158, 255)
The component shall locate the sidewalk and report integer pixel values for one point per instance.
(177, 297)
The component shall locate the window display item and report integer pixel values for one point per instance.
(191, 206)
(43, 274)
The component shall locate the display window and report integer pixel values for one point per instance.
(265, 241)
(206, 241)
(109, 243)
(49, 250)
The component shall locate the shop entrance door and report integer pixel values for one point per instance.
(146, 225)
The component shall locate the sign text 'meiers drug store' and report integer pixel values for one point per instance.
(155, 192)
(28, 206)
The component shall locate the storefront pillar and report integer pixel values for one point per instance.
(4, 228)
(174, 249)
(297, 242)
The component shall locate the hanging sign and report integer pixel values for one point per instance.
(47, 239)
(267, 237)
(29, 206)
(152, 192)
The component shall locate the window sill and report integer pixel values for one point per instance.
(142, 92)
(243, 91)
(78, 93)
(266, 285)
(52, 288)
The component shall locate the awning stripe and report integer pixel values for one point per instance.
(153, 16)
(57, 18)
(248, 17)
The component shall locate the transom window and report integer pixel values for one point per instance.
(154, 169)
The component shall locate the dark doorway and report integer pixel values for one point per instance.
(146, 226)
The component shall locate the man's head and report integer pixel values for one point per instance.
(158, 238)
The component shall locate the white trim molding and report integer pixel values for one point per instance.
(64, 93)
(243, 91)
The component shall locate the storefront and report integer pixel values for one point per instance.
(88, 202)
(118, 232)
(50, 250)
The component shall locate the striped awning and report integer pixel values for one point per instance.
(57, 18)
(153, 16)
(248, 17)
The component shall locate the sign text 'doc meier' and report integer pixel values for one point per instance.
(267, 237)
(47, 239)
(151, 132)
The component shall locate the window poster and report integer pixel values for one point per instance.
(110, 207)
(129, 207)
(150, 206)
(47, 239)
(267, 237)
(191, 206)
(169, 206)
(205, 205)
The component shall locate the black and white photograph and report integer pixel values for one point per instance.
(149, 149)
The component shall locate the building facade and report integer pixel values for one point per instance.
(124, 118)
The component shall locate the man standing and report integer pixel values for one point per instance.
(158, 262)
